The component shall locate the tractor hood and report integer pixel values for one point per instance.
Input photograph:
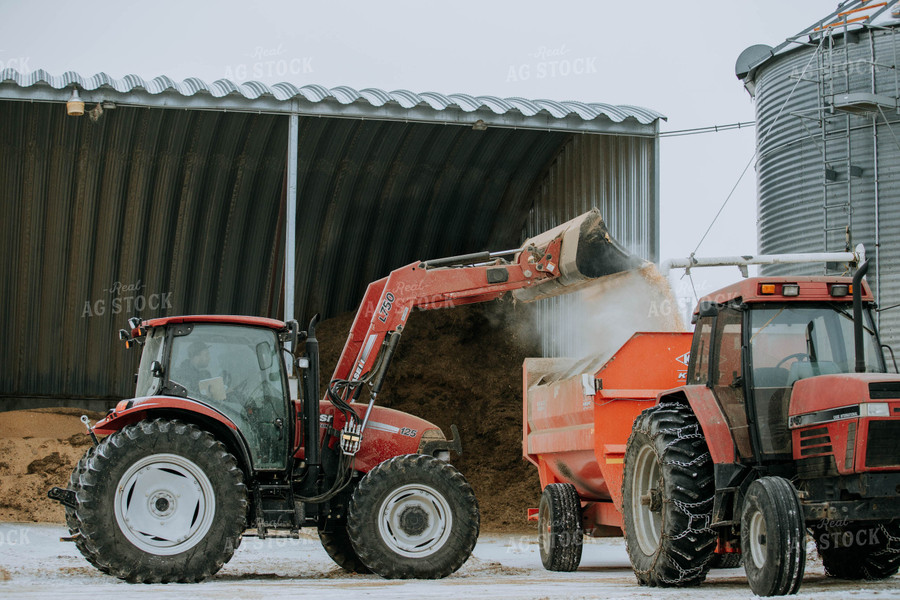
(827, 398)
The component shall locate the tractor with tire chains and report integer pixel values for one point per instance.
(774, 422)
(213, 447)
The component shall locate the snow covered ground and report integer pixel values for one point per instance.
(35, 564)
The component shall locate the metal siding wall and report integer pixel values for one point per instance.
(617, 175)
(374, 196)
(181, 205)
(791, 174)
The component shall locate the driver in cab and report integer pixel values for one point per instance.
(194, 372)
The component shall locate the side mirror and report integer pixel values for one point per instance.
(708, 309)
(156, 369)
(264, 354)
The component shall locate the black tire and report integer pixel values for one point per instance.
(859, 551)
(731, 560)
(192, 484)
(72, 520)
(336, 541)
(667, 463)
(560, 531)
(773, 537)
(413, 517)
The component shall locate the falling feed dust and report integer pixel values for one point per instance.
(597, 320)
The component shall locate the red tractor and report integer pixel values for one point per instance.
(785, 422)
(213, 444)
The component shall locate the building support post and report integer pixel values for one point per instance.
(290, 237)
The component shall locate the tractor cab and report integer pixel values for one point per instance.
(234, 366)
(756, 339)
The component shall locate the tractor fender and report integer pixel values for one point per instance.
(712, 421)
(206, 417)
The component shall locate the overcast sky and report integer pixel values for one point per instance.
(674, 57)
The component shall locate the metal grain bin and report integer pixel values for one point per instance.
(828, 163)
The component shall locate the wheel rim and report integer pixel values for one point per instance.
(758, 539)
(415, 521)
(544, 528)
(164, 504)
(646, 501)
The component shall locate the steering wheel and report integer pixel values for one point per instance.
(800, 356)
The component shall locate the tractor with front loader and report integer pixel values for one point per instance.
(214, 446)
(775, 419)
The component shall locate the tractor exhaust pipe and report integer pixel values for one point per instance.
(311, 399)
(588, 252)
(858, 317)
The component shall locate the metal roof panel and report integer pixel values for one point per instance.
(251, 91)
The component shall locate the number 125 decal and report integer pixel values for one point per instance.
(386, 307)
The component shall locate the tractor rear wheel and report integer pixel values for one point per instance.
(72, 520)
(162, 501)
(773, 537)
(336, 541)
(870, 551)
(667, 498)
(560, 532)
(413, 517)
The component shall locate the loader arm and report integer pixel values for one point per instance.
(558, 261)
(429, 285)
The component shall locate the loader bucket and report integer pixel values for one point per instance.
(588, 253)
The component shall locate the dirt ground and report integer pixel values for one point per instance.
(38, 449)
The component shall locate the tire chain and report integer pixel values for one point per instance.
(696, 511)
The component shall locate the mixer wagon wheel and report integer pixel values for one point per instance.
(161, 501)
(413, 517)
(336, 542)
(560, 532)
(864, 551)
(667, 498)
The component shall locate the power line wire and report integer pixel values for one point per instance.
(762, 139)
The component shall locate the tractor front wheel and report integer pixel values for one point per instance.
(667, 498)
(161, 501)
(413, 517)
(773, 537)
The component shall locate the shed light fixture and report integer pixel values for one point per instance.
(75, 105)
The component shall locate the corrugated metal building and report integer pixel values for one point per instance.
(828, 152)
(170, 198)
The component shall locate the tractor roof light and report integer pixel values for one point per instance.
(790, 289)
(767, 288)
(840, 290)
